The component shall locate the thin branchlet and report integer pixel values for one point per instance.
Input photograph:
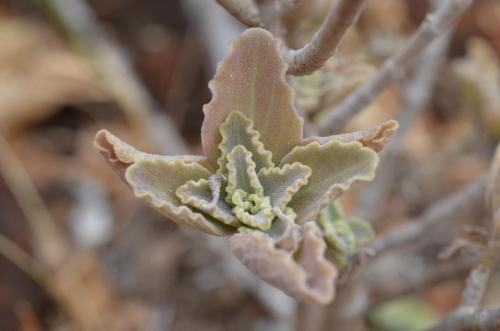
(342, 15)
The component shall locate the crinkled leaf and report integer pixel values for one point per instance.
(362, 230)
(238, 130)
(155, 181)
(375, 137)
(241, 172)
(243, 178)
(339, 235)
(344, 236)
(335, 166)
(285, 234)
(305, 275)
(121, 155)
(262, 220)
(280, 184)
(198, 194)
(251, 79)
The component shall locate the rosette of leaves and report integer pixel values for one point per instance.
(259, 181)
(344, 235)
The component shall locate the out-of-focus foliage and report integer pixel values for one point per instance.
(479, 72)
(37, 72)
(344, 235)
(404, 314)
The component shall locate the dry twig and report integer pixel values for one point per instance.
(467, 201)
(396, 66)
(485, 320)
(416, 95)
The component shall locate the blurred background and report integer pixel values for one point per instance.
(79, 252)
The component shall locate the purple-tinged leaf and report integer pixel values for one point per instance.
(121, 155)
(280, 184)
(304, 274)
(375, 137)
(251, 80)
(236, 130)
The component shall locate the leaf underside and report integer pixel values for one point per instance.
(241, 172)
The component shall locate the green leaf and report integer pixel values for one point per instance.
(251, 80)
(155, 181)
(403, 314)
(335, 167)
(238, 130)
(121, 155)
(198, 194)
(241, 172)
(280, 184)
(333, 212)
(244, 190)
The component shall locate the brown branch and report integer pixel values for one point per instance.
(416, 95)
(485, 320)
(477, 282)
(245, 11)
(479, 277)
(395, 67)
(467, 201)
(342, 15)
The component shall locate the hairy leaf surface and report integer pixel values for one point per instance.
(335, 166)
(251, 80)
